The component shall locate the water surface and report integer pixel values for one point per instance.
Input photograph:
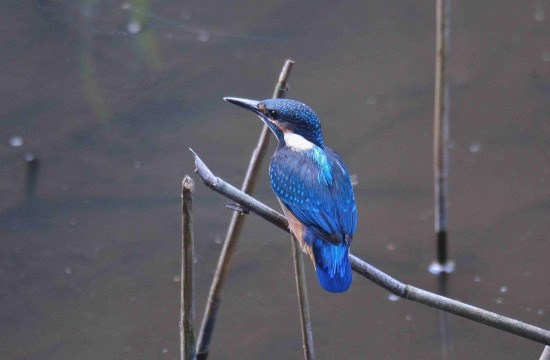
(109, 95)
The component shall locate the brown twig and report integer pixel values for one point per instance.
(380, 278)
(301, 288)
(187, 329)
(235, 228)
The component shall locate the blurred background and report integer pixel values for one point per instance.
(109, 96)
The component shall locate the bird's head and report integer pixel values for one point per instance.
(286, 118)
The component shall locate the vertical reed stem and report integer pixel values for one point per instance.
(31, 181)
(305, 317)
(187, 329)
(545, 353)
(446, 338)
(441, 129)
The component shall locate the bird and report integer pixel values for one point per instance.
(313, 186)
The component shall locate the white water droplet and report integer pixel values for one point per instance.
(203, 36)
(16, 141)
(475, 147)
(477, 278)
(437, 268)
(408, 317)
(393, 297)
(133, 27)
(499, 300)
(164, 350)
(540, 311)
(68, 270)
(503, 289)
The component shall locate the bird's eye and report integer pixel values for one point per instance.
(274, 114)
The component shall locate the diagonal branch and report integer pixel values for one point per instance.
(380, 278)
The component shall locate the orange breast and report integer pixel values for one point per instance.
(297, 229)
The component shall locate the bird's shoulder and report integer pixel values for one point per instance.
(316, 167)
(316, 188)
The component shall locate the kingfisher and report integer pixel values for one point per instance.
(313, 186)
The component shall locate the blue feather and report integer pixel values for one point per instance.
(332, 265)
(325, 175)
(328, 210)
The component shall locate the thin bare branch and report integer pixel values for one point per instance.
(380, 278)
(235, 228)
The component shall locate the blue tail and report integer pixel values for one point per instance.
(332, 265)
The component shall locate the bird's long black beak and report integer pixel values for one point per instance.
(247, 104)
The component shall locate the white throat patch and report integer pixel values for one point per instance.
(298, 142)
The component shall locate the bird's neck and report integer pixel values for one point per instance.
(300, 145)
(297, 142)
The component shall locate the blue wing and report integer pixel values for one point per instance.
(315, 186)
